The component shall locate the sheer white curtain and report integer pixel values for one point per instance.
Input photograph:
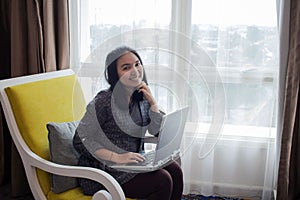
(218, 57)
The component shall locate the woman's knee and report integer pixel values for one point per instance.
(165, 178)
(175, 171)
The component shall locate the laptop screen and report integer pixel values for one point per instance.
(171, 133)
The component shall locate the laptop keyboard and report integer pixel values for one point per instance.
(149, 157)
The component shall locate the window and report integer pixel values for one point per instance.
(216, 56)
(244, 48)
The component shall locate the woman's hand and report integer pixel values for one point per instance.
(143, 87)
(125, 158)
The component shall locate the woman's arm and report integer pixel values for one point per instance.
(143, 87)
(155, 122)
(154, 112)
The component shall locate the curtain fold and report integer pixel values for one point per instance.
(34, 39)
(288, 182)
(55, 22)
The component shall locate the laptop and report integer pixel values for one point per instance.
(168, 145)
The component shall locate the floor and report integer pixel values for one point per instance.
(5, 194)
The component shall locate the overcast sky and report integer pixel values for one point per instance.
(216, 12)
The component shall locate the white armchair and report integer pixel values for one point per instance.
(29, 103)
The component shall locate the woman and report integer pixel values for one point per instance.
(113, 128)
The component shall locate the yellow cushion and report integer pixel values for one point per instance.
(74, 194)
(37, 103)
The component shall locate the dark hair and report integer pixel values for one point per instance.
(111, 74)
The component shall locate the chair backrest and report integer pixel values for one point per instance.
(34, 101)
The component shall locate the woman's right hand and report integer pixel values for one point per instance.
(125, 158)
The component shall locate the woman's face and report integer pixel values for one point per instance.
(130, 70)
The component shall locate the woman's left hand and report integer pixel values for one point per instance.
(143, 87)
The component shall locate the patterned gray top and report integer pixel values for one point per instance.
(105, 125)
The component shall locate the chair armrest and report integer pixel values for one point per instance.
(115, 191)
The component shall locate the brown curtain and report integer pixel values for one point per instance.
(39, 36)
(34, 38)
(288, 184)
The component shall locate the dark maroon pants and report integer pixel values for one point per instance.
(163, 184)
